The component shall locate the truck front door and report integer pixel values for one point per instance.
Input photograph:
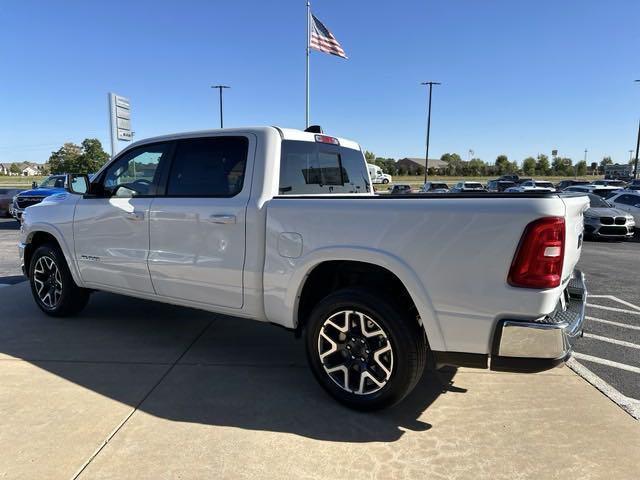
(111, 230)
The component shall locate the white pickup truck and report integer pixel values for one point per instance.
(282, 226)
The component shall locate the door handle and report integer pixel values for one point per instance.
(223, 219)
(135, 216)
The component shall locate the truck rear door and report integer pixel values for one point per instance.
(197, 228)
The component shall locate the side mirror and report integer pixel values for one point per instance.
(34, 184)
(78, 183)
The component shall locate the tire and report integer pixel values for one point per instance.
(52, 285)
(385, 180)
(391, 362)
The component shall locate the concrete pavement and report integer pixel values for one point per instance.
(133, 389)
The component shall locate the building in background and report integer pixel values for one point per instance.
(617, 171)
(411, 165)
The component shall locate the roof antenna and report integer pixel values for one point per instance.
(314, 129)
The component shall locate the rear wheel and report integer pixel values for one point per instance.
(366, 352)
(385, 180)
(52, 285)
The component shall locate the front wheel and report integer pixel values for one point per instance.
(385, 180)
(366, 352)
(52, 285)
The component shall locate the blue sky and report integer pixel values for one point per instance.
(519, 78)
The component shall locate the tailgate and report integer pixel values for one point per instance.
(575, 206)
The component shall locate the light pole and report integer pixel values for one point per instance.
(426, 158)
(635, 163)
(220, 87)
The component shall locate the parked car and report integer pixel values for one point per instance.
(603, 191)
(6, 199)
(570, 183)
(634, 185)
(49, 186)
(209, 223)
(510, 178)
(532, 186)
(610, 183)
(499, 185)
(430, 187)
(604, 220)
(629, 201)
(401, 189)
(468, 187)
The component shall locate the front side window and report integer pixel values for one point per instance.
(628, 200)
(53, 182)
(315, 168)
(208, 167)
(134, 174)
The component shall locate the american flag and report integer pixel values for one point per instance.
(322, 39)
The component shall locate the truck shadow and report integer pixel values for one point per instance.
(191, 366)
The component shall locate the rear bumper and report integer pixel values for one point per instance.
(538, 345)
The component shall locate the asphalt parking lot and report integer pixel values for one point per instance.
(610, 348)
(135, 389)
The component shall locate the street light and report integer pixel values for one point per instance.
(426, 159)
(220, 87)
(635, 163)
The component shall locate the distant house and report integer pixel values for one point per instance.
(411, 164)
(30, 171)
(4, 169)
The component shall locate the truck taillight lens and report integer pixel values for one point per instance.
(540, 255)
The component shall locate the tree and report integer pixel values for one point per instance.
(71, 158)
(594, 168)
(542, 165)
(419, 171)
(454, 163)
(581, 168)
(15, 169)
(476, 167)
(390, 167)
(502, 165)
(369, 156)
(93, 156)
(606, 161)
(562, 166)
(529, 166)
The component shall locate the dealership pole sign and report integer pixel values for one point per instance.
(119, 120)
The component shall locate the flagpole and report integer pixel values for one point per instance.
(307, 77)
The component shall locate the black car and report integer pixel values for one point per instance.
(570, 183)
(499, 185)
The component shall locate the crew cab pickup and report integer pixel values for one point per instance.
(276, 225)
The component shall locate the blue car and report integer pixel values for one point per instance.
(50, 186)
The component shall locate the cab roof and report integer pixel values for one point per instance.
(285, 134)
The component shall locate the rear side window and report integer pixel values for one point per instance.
(208, 167)
(315, 168)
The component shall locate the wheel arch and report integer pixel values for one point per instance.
(325, 271)
(41, 234)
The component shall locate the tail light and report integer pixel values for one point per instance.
(327, 139)
(540, 255)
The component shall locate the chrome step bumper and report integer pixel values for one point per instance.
(520, 345)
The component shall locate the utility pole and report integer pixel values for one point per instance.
(220, 87)
(426, 158)
(635, 163)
